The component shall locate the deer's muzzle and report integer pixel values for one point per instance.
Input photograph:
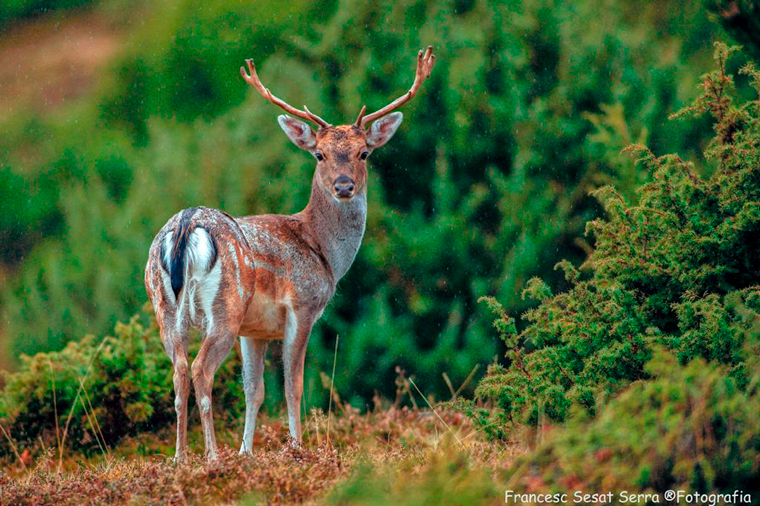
(343, 188)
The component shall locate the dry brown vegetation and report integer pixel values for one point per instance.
(49, 62)
(141, 471)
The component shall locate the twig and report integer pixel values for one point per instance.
(518, 474)
(74, 404)
(467, 380)
(479, 430)
(332, 384)
(89, 419)
(55, 410)
(316, 427)
(97, 424)
(451, 387)
(434, 411)
(13, 447)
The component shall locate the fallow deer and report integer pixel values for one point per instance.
(265, 277)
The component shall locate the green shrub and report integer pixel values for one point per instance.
(692, 428)
(678, 268)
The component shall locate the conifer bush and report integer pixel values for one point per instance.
(691, 428)
(675, 268)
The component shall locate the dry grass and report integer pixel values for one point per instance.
(283, 476)
(276, 473)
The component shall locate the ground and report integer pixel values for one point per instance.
(403, 442)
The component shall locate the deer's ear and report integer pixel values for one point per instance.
(299, 132)
(383, 129)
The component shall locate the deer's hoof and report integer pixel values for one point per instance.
(295, 444)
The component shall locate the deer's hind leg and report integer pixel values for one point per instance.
(175, 343)
(214, 349)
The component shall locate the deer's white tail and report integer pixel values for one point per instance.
(190, 258)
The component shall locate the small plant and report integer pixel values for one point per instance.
(446, 478)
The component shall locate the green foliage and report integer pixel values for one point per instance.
(692, 428)
(484, 187)
(739, 18)
(676, 269)
(12, 10)
(34, 213)
(446, 478)
(126, 388)
(183, 62)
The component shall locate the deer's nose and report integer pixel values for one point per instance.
(344, 187)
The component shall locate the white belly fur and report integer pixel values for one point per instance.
(266, 317)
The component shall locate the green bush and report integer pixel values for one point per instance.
(692, 428)
(677, 269)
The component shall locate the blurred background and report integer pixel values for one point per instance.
(116, 114)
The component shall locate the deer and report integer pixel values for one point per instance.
(265, 277)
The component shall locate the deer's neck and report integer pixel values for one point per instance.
(338, 226)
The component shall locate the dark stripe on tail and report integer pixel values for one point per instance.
(177, 261)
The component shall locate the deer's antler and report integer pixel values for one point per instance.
(253, 80)
(425, 64)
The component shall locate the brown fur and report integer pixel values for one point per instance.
(342, 147)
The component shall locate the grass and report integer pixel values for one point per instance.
(387, 450)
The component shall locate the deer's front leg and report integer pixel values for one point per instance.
(297, 332)
(254, 352)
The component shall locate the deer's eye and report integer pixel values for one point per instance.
(364, 155)
(319, 156)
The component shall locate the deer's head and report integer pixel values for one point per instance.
(342, 151)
